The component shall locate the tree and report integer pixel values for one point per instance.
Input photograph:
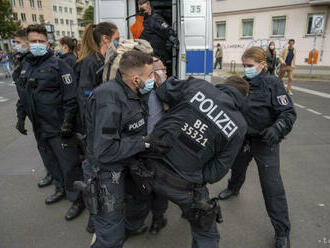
(89, 15)
(8, 26)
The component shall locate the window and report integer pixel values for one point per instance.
(13, 3)
(56, 20)
(62, 21)
(81, 33)
(315, 24)
(68, 33)
(60, 9)
(66, 9)
(71, 22)
(57, 33)
(72, 34)
(67, 22)
(279, 26)
(41, 19)
(63, 33)
(23, 17)
(70, 10)
(221, 30)
(39, 4)
(15, 16)
(54, 8)
(21, 3)
(32, 4)
(34, 17)
(86, 2)
(247, 28)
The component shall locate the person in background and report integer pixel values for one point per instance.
(270, 115)
(218, 57)
(271, 58)
(288, 62)
(5, 63)
(67, 50)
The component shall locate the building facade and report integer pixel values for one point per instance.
(239, 24)
(81, 7)
(65, 18)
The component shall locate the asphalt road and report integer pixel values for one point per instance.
(26, 222)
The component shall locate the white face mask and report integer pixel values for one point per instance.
(272, 47)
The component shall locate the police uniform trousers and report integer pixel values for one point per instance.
(268, 162)
(61, 156)
(125, 209)
(158, 205)
(184, 199)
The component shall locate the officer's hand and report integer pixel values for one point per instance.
(174, 41)
(20, 126)
(155, 144)
(66, 130)
(271, 136)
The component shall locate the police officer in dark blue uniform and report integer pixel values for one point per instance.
(158, 33)
(205, 129)
(48, 95)
(116, 123)
(270, 115)
(67, 50)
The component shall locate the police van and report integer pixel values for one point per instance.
(191, 19)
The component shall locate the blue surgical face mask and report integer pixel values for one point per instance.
(148, 86)
(251, 72)
(115, 43)
(60, 52)
(19, 48)
(38, 49)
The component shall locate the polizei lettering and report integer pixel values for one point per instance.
(214, 113)
(136, 125)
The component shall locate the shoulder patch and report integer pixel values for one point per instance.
(67, 79)
(164, 25)
(283, 100)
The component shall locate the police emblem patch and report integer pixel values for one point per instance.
(67, 79)
(283, 100)
(115, 177)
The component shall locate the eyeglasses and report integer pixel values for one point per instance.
(161, 69)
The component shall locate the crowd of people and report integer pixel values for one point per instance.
(119, 136)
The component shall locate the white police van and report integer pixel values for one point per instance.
(191, 19)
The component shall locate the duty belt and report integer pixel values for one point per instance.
(168, 176)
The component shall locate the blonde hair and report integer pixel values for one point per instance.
(256, 53)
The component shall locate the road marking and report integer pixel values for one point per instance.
(2, 82)
(326, 117)
(313, 111)
(2, 99)
(312, 92)
(299, 106)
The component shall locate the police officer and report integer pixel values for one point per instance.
(67, 51)
(22, 49)
(116, 123)
(48, 95)
(158, 33)
(205, 129)
(270, 115)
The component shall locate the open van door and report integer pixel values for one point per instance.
(195, 35)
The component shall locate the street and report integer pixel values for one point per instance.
(26, 222)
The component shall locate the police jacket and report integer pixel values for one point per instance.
(88, 79)
(268, 104)
(69, 58)
(116, 121)
(47, 91)
(157, 32)
(204, 126)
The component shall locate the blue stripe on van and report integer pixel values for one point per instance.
(195, 61)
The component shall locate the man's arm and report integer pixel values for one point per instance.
(282, 59)
(217, 168)
(109, 146)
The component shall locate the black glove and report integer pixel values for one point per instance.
(271, 136)
(66, 129)
(20, 126)
(154, 144)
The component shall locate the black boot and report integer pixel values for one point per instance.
(157, 224)
(57, 196)
(90, 225)
(47, 180)
(227, 193)
(139, 231)
(282, 242)
(75, 210)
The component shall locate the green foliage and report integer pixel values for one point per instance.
(8, 26)
(89, 15)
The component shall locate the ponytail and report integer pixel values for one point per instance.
(91, 40)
